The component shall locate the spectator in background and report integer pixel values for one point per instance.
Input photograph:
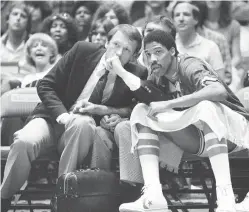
(62, 28)
(137, 10)
(160, 22)
(60, 6)
(151, 9)
(219, 18)
(112, 11)
(19, 25)
(83, 12)
(41, 53)
(5, 7)
(240, 12)
(99, 31)
(217, 37)
(186, 18)
(39, 11)
(157, 23)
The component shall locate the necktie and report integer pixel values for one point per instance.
(97, 93)
(108, 87)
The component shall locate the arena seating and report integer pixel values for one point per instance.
(18, 103)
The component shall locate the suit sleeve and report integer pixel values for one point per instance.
(52, 87)
(144, 91)
(148, 92)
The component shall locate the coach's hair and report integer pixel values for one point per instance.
(129, 30)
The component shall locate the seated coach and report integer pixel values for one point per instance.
(76, 93)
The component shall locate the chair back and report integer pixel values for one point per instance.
(19, 102)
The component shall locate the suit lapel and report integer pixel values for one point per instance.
(90, 64)
(84, 70)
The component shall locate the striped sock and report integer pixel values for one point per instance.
(218, 156)
(148, 151)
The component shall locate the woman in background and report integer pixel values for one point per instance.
(41, 53)
(63, 29)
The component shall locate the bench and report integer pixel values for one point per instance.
(174, 193)
(196, 170)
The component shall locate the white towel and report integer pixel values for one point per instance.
(224, 122)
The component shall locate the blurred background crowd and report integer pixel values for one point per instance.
(36, 34)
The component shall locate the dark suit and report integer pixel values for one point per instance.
(60, 88)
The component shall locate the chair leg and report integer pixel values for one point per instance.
(30, 203)
(213, 197)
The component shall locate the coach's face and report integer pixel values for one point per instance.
(122, 46)
(159, 58)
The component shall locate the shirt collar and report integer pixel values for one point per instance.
(195, 42)
(101, 67)
(10, 47)
(102, 62)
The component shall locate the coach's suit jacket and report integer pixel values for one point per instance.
(61, 87)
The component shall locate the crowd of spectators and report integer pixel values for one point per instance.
(217, 33)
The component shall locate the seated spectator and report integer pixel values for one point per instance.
(39, 11)
(41, 52)
(219, 18)
(151, 9)
(63, 29)
(186, 18)
(99, 31)
(217, 37)
(83, 12)
(19, 25)
(112, 11)
(137, 10)
(158, 22)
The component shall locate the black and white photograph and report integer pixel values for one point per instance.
(124, 106)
